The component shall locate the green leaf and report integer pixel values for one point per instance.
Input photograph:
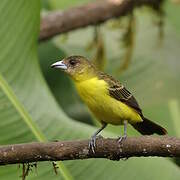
(19, 107)
(175, 115)
(21, 111)
(30, 123)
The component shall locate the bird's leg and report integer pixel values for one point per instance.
(125, 132)
(92, 142)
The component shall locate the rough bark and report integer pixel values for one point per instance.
(90, 14)
(106, 148)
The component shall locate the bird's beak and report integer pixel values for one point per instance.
(59, 64)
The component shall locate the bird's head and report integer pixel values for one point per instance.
(77, 67)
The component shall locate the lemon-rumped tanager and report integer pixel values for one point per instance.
(107, 98)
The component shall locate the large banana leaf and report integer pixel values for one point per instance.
(28, 111)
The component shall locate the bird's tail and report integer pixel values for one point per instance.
(147, 127)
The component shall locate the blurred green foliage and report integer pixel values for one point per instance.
(153, 76)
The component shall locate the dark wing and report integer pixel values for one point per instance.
(119, 92)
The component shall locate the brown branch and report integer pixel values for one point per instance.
(90, 14)
(106, 148)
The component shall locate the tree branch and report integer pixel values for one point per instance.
(91, 14)
(106, 148)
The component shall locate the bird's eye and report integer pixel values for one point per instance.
(72, 62)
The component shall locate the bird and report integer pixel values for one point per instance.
(108, 99)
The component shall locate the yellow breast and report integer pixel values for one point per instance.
(94, 92)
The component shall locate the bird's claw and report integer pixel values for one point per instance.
(122, 138)
(92, 144)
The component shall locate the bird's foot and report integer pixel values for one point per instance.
(121, 138)
(92, 144)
